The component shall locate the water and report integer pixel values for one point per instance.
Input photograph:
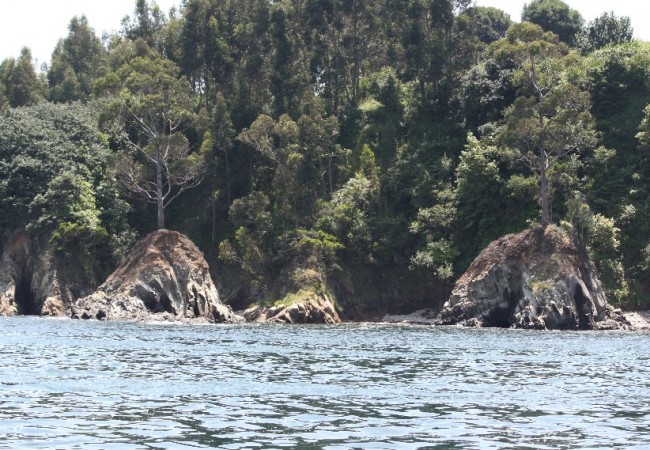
(92, 385)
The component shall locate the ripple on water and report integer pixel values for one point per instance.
(67, 384)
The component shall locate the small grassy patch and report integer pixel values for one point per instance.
(302, 296)
(539, 286)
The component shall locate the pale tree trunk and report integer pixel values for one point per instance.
(355, 52)
(543, 185)
(159, 191)
(329, 173)
(213, 206)
(543, 180)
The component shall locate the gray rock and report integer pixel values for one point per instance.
(165, 277)
(420, 317)
(314, 309)
(536, 279)
(29, 280)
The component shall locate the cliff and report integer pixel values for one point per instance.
(31, 280)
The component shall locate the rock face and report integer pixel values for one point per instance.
(165, 277)
(30, 282)
(536, 279)
(15, 276)
(315, 309)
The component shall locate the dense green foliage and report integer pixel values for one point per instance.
(57, 185)
(328, 141)
(554, 16)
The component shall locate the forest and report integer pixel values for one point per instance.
(367, 149)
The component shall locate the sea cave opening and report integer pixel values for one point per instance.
(25, 299)
(498, 318)
(502, 316)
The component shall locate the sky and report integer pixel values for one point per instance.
(637, 10)
(39, 24)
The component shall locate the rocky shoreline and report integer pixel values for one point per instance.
(639, 320)
(536, 279)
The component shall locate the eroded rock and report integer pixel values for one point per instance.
(310, 309)
(29, 280)
(165, 277)
(536, 279)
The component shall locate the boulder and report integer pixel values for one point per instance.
(164, 277)
(536, 279)
(311, 309)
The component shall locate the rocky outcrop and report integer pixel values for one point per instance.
(165, 277)
(308, 309)
(15, 277)
(536, 279)
(640, 320)
(421, 317)
(30, 283)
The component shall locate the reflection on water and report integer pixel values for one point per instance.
(92, 385)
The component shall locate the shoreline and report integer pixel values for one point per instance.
(639, 320)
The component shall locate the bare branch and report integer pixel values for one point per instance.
(185, 187)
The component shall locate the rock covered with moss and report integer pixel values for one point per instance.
(306, 307)
(164, 277)
(536, 279)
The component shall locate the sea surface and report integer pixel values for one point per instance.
(95, 385)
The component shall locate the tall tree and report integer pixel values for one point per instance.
(146, 24)
(77, 61)
(22, 85)
(153, 107)
(4, 103)
(550, 119)
(606, 29)
(555, 16)
(487, 23)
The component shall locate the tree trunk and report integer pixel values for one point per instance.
(225, 152)
(159, 191)
(355, 53)
(213, 206)
(329, 172)
(543, 185)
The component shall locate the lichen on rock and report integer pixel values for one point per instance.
(536, 279)
(301, 308)
(165, 277)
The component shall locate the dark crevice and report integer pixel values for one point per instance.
(498, 318)
(152, 299)
(196, 308)
(196, 298)
(166, 303)
(503, 317)
(581, 301)
(25, 299)
(148, 298)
